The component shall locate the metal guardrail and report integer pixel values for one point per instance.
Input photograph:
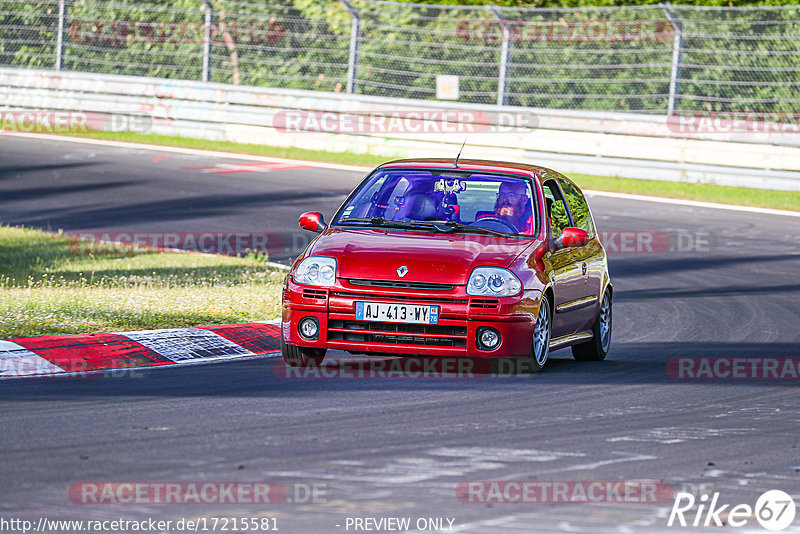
(615, 144)
(656, 59)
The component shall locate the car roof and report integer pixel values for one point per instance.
(474, 165)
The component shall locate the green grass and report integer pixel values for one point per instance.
(743, 196)
(51, 285)
(786, 200)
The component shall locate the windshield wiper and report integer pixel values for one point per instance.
(439, 225)
(455, 226)
(385, 223)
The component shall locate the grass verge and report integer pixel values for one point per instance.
(722, 194)
(50, 285)
(786, 200)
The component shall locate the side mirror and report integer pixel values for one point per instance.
(572, 237)
(313, 222)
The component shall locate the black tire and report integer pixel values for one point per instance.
(295, 356)
(597, 348)
(540, 346)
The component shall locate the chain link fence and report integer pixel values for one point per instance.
(656, 59)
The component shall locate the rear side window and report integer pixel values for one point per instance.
(581, 216)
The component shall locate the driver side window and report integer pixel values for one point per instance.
(556, 207)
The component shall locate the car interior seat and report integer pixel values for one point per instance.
(417, 207)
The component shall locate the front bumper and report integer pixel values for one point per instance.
(460, 317)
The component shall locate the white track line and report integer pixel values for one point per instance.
(321, 165)
(190, 151)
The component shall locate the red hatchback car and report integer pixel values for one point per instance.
(467, 259)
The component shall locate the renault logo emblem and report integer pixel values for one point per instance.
(402, 271)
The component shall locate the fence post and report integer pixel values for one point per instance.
(208, 51)
(505, 56)
(355, 40)
(677, 54)
(63, 9)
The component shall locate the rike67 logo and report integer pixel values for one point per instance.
(774, 510)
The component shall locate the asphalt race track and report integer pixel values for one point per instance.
(92, 188)
(400, 447)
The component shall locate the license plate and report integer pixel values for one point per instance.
(397, 313)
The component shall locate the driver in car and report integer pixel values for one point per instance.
(513, 205)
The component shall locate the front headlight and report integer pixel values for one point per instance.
(493, 282)
(316, 271)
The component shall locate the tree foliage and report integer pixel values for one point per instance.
(733, 60)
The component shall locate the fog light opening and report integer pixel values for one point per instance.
(488, 338)
(308, 328)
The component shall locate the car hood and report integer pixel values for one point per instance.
(433, 258)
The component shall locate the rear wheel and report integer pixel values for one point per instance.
(295, 356)
(597, 348)
(540, 349)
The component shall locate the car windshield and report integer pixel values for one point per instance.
(457, 200)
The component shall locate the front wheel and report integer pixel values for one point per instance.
(597, 348)
(540, 349)
(295, 356)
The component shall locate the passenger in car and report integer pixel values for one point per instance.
(417, 207)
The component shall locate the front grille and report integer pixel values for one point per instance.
(398, 333)
(484, 303)
(320, 294)
(403, 285)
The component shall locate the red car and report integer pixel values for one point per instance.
(465, 259)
